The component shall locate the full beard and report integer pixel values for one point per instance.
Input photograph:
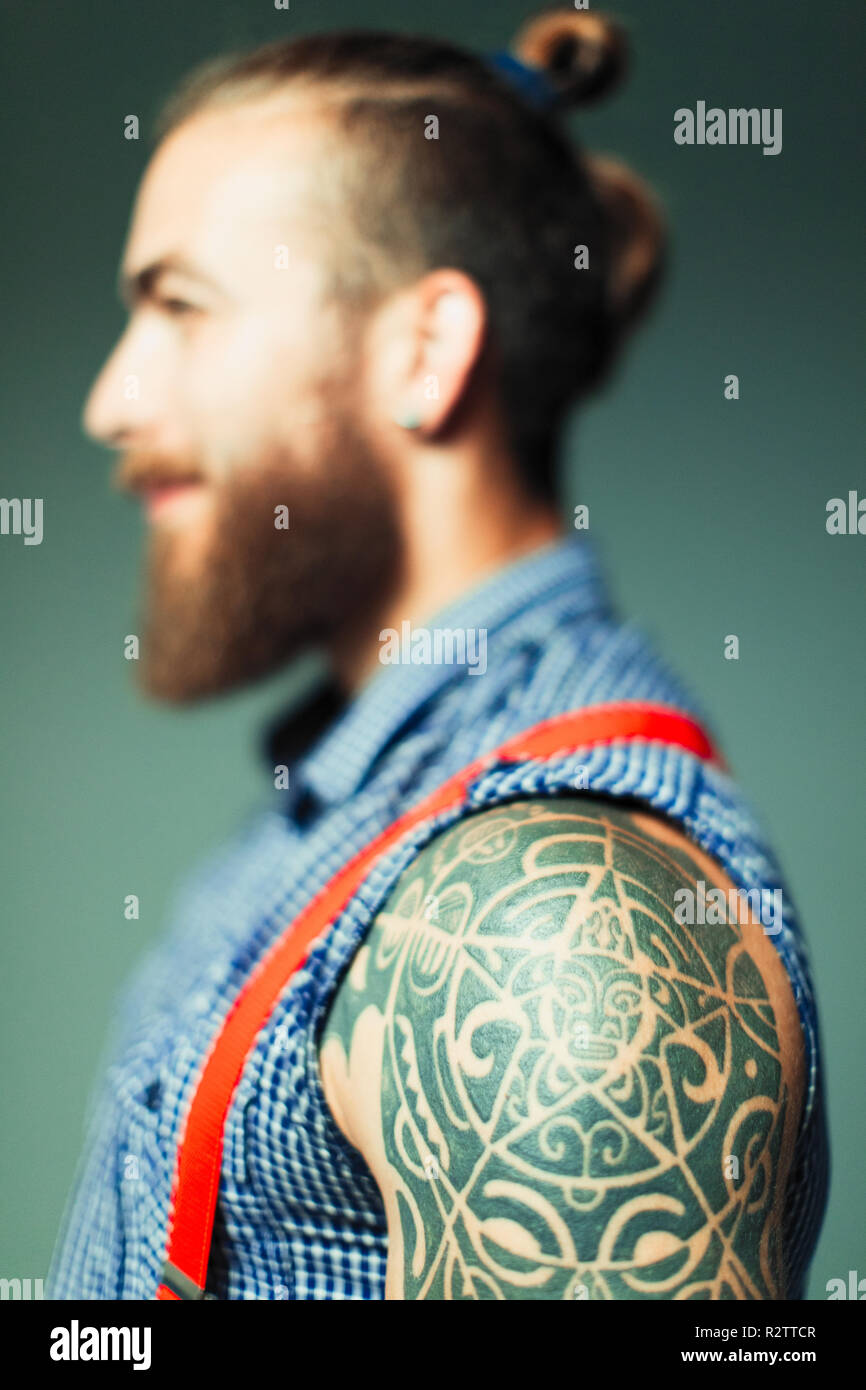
(260, 595)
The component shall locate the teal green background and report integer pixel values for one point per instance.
(709, 514)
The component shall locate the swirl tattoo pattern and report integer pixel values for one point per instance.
(580, 1097)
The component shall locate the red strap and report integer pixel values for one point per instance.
(197, 1172)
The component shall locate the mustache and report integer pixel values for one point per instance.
(139, 473)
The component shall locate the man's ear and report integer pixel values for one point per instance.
(427, 342)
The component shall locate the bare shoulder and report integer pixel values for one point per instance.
(572, 1058)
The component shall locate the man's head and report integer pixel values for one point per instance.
(352, 259)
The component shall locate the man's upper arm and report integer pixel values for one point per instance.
(562, 1090)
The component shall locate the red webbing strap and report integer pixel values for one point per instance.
(199, 1158)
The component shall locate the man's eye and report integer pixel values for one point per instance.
(177, 308)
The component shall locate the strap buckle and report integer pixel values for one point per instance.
(181, 1284)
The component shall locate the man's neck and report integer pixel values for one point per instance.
(442, 563)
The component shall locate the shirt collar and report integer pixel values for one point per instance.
(331, 743)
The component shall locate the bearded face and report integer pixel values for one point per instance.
(249, 565)
(271, 517)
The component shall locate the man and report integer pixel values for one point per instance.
(538, 1043)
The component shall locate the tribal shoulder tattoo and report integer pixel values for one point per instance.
(576, 1096)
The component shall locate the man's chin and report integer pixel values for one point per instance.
(172, 683)
(175, 689)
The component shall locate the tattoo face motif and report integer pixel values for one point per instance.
(580, 1097)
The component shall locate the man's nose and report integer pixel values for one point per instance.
(126, 400)
(109, 415)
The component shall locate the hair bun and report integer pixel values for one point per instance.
(637, 237)
(582, 55)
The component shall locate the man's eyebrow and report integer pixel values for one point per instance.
(139, 284)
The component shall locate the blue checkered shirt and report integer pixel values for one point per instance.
(299, 1215)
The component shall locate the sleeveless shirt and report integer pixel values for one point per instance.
(299, 1215)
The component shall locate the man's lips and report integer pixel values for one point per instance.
(163, 494)
(169, 497)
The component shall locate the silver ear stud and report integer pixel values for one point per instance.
(407, 419)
